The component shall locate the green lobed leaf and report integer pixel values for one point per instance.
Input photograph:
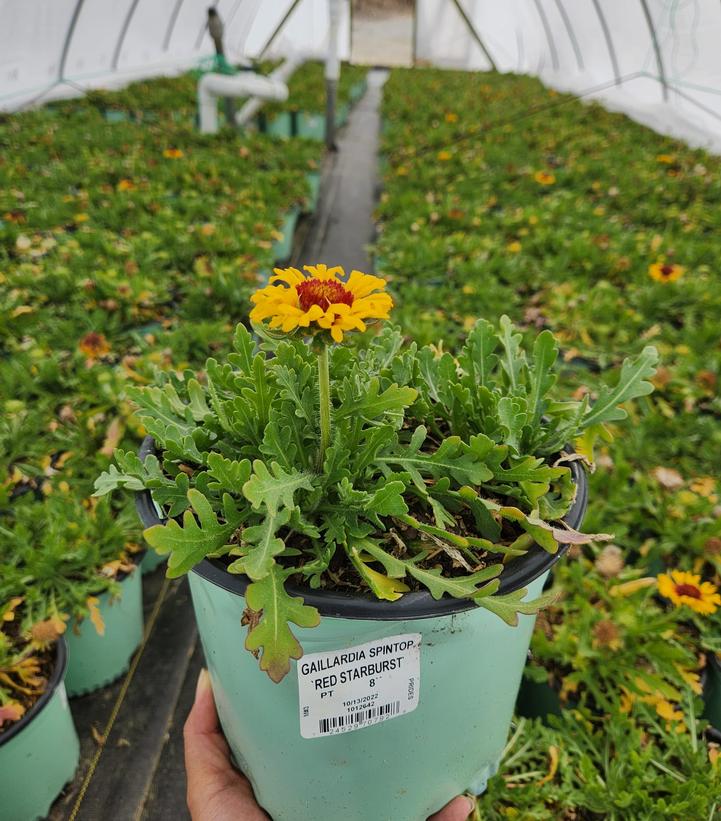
(192, 541)
(272, 636)
(274, 488)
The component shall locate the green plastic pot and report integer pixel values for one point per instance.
(283, 248)
(537, 699)
(95, 660)
(115, 116)
(311, 125)
(406, 767)
(278, 125)
(313, 178)
(357, 90)
(712, 691)
(151, 561)
(40, 753)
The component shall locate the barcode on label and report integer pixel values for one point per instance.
(327, 725)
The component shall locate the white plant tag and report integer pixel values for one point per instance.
(353, 688)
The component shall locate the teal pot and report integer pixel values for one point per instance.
(113, 115)
(39, 754)
(151, 561)
(441, 679)
(712, 691)
(279, 124)
(283, 247)
(311, 125)
(537, 699)
(95, 660)
(313, 178)
(357, 90)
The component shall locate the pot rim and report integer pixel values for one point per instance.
(518, 573)
(55, 680)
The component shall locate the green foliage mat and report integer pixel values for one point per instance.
(502, 196)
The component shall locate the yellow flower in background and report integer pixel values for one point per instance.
(324, 297)
(451, 117)
(514, 247)
(687, 588)
(665, 272)
(173, 153)
(544, 178)
(126, 185)
(666, 159)
(444, 156)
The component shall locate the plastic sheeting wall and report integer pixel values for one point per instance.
(578, 45)
(55, 48)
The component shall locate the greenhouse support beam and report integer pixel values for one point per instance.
(283, 20)
(657, 50)
(332, 72)
(173, 19)
(549, 34)
(475, 34)
(609, 41)
(571, 33)
(123, 32)
(68, 38)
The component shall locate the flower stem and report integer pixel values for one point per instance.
(324, 395)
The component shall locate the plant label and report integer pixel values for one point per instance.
(353, 688)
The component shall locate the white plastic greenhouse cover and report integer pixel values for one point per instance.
(55, 48)
(657, 60)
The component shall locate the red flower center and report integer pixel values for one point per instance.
(689, 590)
(322, 292)
(666, 270)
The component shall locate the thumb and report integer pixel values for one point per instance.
(457, 810)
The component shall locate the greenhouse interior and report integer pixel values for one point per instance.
(360, 430)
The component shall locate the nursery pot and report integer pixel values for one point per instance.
(712, 691)
(151, 560)
(440, 678)
(95, 660)
(39, 753)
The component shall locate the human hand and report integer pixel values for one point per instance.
(218, 792)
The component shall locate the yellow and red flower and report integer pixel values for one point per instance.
(684, 588)
(665, 271)
(544, 178)
(323, 297)
(173, 153)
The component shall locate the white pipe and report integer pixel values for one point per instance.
(281, 75)
(245, 84)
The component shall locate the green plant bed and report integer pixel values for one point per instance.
(40, 753)
(98, 658)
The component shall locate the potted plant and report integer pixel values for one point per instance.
(397, 500)
(39, 748)
(73, 565)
